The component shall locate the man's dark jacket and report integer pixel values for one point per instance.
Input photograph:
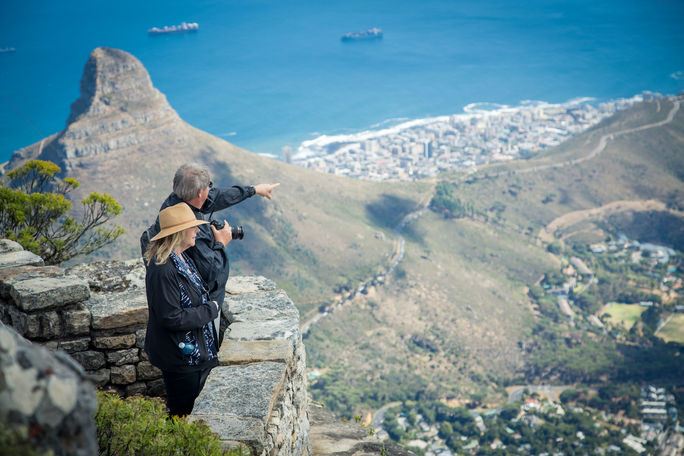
(209, 256)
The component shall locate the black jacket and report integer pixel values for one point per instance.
(210, 257)
(168, 321)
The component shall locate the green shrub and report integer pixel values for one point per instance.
(17, 441)
(141, 426)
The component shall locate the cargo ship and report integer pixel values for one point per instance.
(182, 28)
(370, 34)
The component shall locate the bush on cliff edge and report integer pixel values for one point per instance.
(141, 426)
(34, 211)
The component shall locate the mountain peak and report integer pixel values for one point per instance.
(114, 80)
(119, 110)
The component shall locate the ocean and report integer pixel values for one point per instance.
(264, 74)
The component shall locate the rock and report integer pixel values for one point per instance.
(236, 400)
(121, 357)
(100, 377)
(48, 392)
(26, 325)
(76, 320)
(70, 346)
(48, 292)
(146, 371)
(138, 388)
(7, 246)
(90, 360)
(50, 325)
(262, 316)
(105, 276)
(9, 276)
(123, 375)
(140, 338)
(248, 284)
(118, 310)
(242, 352)
(20, 258)
(330, 435)
(118, 109)
(114, 342)
(156, 388)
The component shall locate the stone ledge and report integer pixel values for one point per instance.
(10, 276)
(237, 400)
(7, 245)
(45, 292)
(270, 305)
(266, 330)
(118, 310)
(249, 284)
(243, 352)
(19, 258)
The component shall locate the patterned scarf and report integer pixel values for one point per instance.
(189, 271)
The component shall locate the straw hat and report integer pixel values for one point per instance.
(176, 218)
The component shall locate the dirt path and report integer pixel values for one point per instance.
(597, 213)
(603, 141)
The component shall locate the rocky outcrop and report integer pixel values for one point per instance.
(257, 395)
(45, 399)
(118, 109)
(97, 313)
(94, 316)
(331, 436)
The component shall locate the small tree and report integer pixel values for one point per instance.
(34, 212)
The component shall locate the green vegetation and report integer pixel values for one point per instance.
(34, 208)
(586, 421)
(140, 426)
(15, 442)
(444, 202)
(622, 314)
(673, 331)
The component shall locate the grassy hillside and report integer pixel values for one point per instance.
(318, 232)
(455, 320)
(455, 313)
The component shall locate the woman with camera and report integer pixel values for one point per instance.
(180, 339)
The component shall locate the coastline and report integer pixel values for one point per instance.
(469, 111)
(483, 133)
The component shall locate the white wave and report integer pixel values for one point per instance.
(580, 100)
(483, 107)
(390, 121)
(678, 75)
(324, 140)
(226, 135)
(314, 146)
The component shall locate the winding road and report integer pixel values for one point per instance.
(399, 245)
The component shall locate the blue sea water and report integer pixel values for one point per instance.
(268, 73)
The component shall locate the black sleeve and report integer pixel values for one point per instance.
(221, 198)
(209, 256)
(164, 300)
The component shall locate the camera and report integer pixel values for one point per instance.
(236, 231)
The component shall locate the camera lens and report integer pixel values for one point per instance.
(237, 232)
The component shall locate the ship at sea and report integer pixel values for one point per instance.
(370, 34)
(182, 28)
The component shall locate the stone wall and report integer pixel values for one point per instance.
(45, 400)
(97, 313)
(257, 395)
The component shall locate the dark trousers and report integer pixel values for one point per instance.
(182, 388)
